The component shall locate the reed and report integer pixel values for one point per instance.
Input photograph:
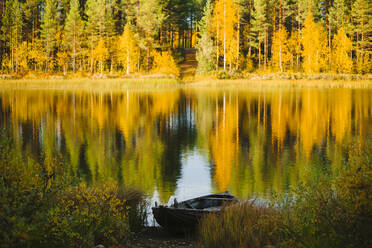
(332, 210)
(241, 225)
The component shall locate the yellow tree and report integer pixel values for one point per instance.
(294, 45)
(101, 53)
(341, 49)
(226, 20)
(128, 50)
(281, 55)
(314, 42)
(164, 63)
(22, 54)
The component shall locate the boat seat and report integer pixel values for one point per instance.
(189, 205)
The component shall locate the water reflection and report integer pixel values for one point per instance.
(190, 142)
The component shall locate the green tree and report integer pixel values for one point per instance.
(12, 30)
(49, 30)
(95, 25)
(338, 16)
(149, 20)
(206, 53)
(362, 30)
(259, 26)
(73, 29)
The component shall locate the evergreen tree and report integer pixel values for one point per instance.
(49, 30)
(206, 53)
(149, 20)
(362, 33)
(12, 30)
(95, 26)
(338, 15)
(110, 32)
(73, 29)
(259, 26)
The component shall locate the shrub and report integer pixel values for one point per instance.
(164, 63)
(41, 207)
(331, 210)
(85, 216)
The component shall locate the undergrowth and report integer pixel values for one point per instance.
(41, 207)
(331, 210)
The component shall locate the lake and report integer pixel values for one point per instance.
(191, 141)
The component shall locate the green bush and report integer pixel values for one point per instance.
(41, 207)
(85, 216)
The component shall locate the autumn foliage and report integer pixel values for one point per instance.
(235, 35)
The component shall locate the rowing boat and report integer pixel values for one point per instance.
(181, 217)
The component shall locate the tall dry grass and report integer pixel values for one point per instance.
(332, 210)
(241, 225)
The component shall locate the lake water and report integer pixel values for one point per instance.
(189, 142)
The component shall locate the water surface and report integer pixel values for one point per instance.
(188, 142)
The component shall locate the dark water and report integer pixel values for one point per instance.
(191, 142)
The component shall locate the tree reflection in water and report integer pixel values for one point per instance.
(254, 142)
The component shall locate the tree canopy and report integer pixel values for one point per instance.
(243, 35)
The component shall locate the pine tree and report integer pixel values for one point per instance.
(149, 20)
(206, 53)
(259, 26)
(12, 30)
(95, 26)
(49, 30)
(73, 29)
(362, 30)
(110, 32)
(338, 15)
(342, 46)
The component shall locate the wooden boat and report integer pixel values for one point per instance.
(182, 217)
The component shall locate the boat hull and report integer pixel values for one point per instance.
(184, 217)
(178, 220)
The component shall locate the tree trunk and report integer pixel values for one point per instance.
(280, 58)
(265, 50)
(259, 55)
(224, 35)
(238, 41)
(217, 52)
(74, 54)
(128, 69)
(148, 60)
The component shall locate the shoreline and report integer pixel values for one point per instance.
(118, 84)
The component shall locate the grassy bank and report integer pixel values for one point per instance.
(41, 207)
(151, 83)
(334, 209)
(89, 84)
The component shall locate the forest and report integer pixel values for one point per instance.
(137, 36)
